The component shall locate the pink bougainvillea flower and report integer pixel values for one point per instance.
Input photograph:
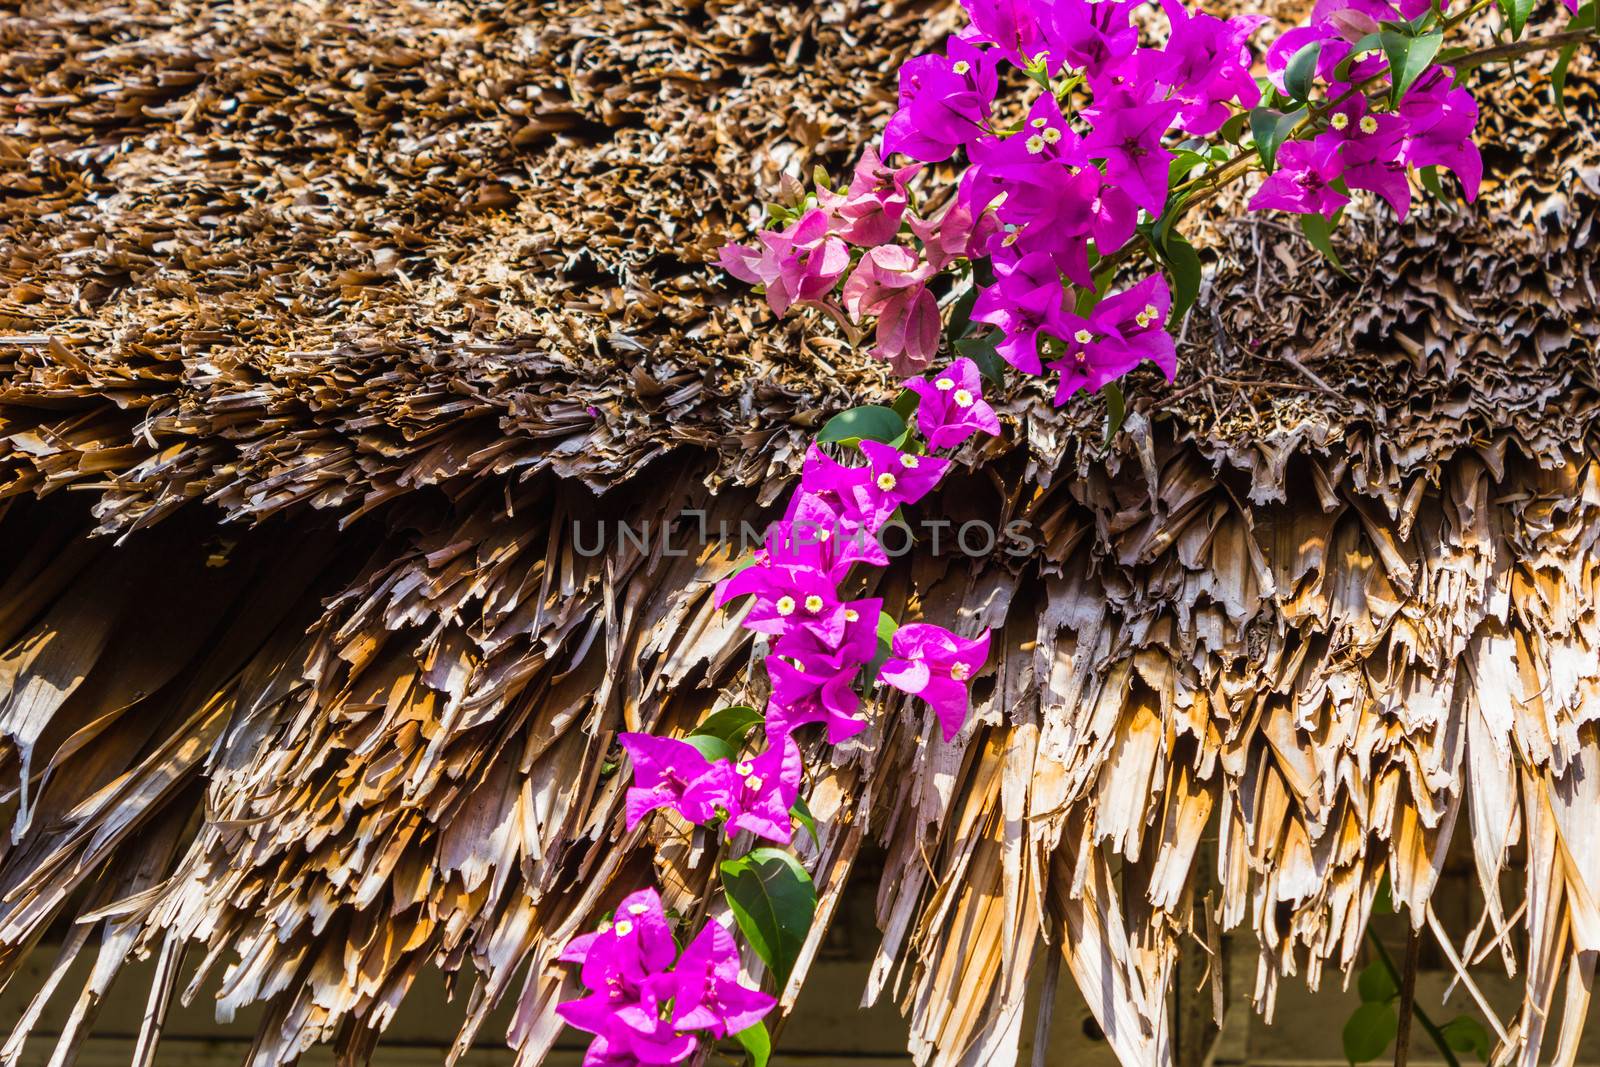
(823, 535)
(896, 478)
(1025, 303)
(1089, 35)
(801, 696)
(669, 773)
(826, 478)
(707, 993)
(1013, 25)
(635, 945)
(932, 663)
(1440, 119)
(803, 261)
(944, 102)
(858, 646)
(1303, 182)
(1121, 332)
(1127, 135)
(1206, 62)
(951, 407)
(870, 210)
(767, 788)
(786, 598)
(961, 231)
(889, 283)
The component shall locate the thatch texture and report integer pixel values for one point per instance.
(334, 322)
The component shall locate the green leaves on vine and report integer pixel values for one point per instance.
(773, 900)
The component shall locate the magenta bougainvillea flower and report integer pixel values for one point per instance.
(960, 231)
(932, 663)
(1440, 118)
(869, 212)
(1025, 303)
(765, 788)
(1303, 182)
(647, 1004)
(707, 993)
(786, 598)
(1207, 63)
(1122, 331)
(951, 407)
(800, 262)
(944, 102)
(1127, 135)
(896, 478)
(802, 695)
(669, 773)
(1010, 24)
(1091, 35)
(823, 535)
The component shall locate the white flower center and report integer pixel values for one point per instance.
(851, 614)
(743, 769)
(785, 605)
(623, 928)
(1052, 135)
(910, 462)
(1339, 121)
(961, 66)
(638, 909)
(1142, 319)
(960, 671)
(1369, 124)
(753, 781)
(824, 534)
(1083, 337)
(1034, 145)
(944, 384)
(886, 481)
(813, 603)
(962, 398)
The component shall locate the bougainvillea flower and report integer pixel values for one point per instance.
(1122, 331)
(951, 407)
(932, 663)
(1089, 35)
(800, 262)
(1024, 302)
(896, 478)
(944, 102)
(824, 477)
(858, 646)
(870, 210)
(1369, 147)
(888, 283)
(707, 992)
(636, 944)
(882, 273)
(1206, 62)
(767, 787)
(822, 535)
(1303, 182)
(960, 231)
(669, 773)
(801, 696)
(786, 598)
(1012, 25)
(1128, 137)
(1440, 118)
(628, 1027)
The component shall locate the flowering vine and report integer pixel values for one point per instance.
(1022, 207)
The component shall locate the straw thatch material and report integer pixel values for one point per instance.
(332, 323)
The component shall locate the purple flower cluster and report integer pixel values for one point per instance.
(648, 1003)
(1359, 147)
(822, 641)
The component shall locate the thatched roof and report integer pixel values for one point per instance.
(333, 323)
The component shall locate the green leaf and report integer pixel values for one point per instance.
(1183, 263)
(1301, 71)
(1376, 984)
(905, 404)
(1233, 129)
(773, 900)
(886, 630)
(961, 312)
(802, 811)
(1558, 79)
(757, 1042)
(981, 350)
(1319, 231)
(1515, 13)
(730, 725)
(1368, 1032)
(1466, 1034)
(1383, 899)
(871, 422)
(712, 748)
(1408, 58)
(1183, 161)
(1372, 42)
(1270, 129)
(1116, 409)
